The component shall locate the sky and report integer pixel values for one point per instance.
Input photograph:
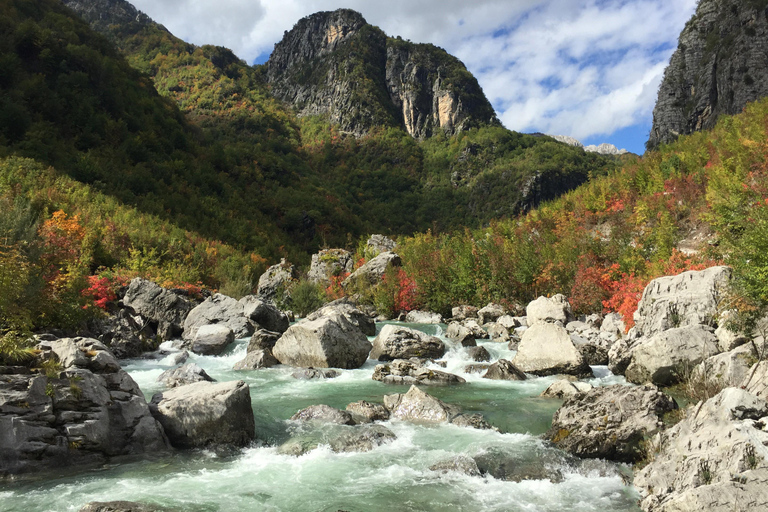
(589, 69)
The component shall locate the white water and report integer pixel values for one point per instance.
(392, 477)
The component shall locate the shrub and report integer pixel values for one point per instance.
(306, 297)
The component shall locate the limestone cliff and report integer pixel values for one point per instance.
(720, 65)
(336, 64)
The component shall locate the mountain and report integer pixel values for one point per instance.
(336, 64)
(721, 64)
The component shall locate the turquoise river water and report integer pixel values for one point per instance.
(393, 477)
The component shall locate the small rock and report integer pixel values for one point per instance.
(458, 464)
(479, 354)
(367, 412)
(504, 370)
(187, 374)
(316, 373)
(324, 414)
(257, 359)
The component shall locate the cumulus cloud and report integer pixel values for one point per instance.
(574, 67)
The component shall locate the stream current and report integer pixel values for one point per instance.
(393, 477)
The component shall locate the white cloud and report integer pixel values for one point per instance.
(574, 67)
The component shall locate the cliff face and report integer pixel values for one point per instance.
(104, 14)
(720, 65)
(335, 64)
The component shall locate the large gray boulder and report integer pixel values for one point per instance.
(183, 375)
(212, 340)
(405, 372)
(504, 370)
(372, 272)
(263, 339)
(165, 308)
(610, 422)
(548, 310)
(264, 315)
(356, 317)
(689, 299)
(397, 342)
(547, 349)
(461, 334)
(218, 309)
(327, 342)
(667, 356)
(713, 460)
(205, 413)
(328, 263)
(277, 278)
(419, 407)
(91, 411)
(490, 313)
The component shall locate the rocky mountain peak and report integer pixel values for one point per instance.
(720, 65)
(100, 14)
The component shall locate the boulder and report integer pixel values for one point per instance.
(619, 357)
(354, 315)
(509, 322)
(458, 464)
(460, 334)
(479, 354)
(713, 460)
(205, 413)
(126, 334)
(476, 368)
(263, 339)
(511, 467)
(372, 272)
(504, 370)
(218, 309)
(564, 388)
(546, 349)
(329, 263)
(490, 313)
(689, 299)
(727, 339)
(328, 342)
(90, 411)
(548, 310)
(380, 243)
(315, 374)
(756, 381)
(179, 358)
(257, 359)
(212, 340)
(423, 317)
(120, 506)
(341, 439)
(460, 313)
(594, 355)
(264, 315)
(183, 375)
(165, 308)
(613, 324)
(664, 358)
(472, 421)
(478, 332)
(275, 280)
(397, 342)
(728, 369)
(405, 372)
(610, 422)
(417, 406)
(367, 412)
(498, 333)
(324, 414)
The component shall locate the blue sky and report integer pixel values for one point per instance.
(585, 68)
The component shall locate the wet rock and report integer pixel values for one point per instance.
(418, 406)
(510, 467)
(405, 372)
(218, 309)
(688, 299)
(397, 342)
(184, 375)
(263, 339)
(458, 464)
(353, 314)
(264, 315)
(205, 414)
(257, 359)
(460, 313)
(610, 422)
(165, 308)
(662, 358)
(504, 370)
(373, 271)
(324, 414)
(715, 459)
(120, 506)
(212, 340)
(594, 355)
(180, 358)
(490, 313)
(367, 412)
(471, 421)
(548, 310)
(479, 354)
(565, 389)
(315, 374)
(546, 349)
(476, 368)
(328, 342)
(363, 438)
(423, 317)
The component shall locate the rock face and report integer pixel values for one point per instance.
(221, 310)
(373, 271)
(714, 460)
(275, 279)
(610, 422)
(546, 349)
(204, 413)
(719, 66)
(335, 64)
(328, 263)
(396, 342)
(91, 411)
(165, 309)
(328, 342)
(665, 357)
(691, 298)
